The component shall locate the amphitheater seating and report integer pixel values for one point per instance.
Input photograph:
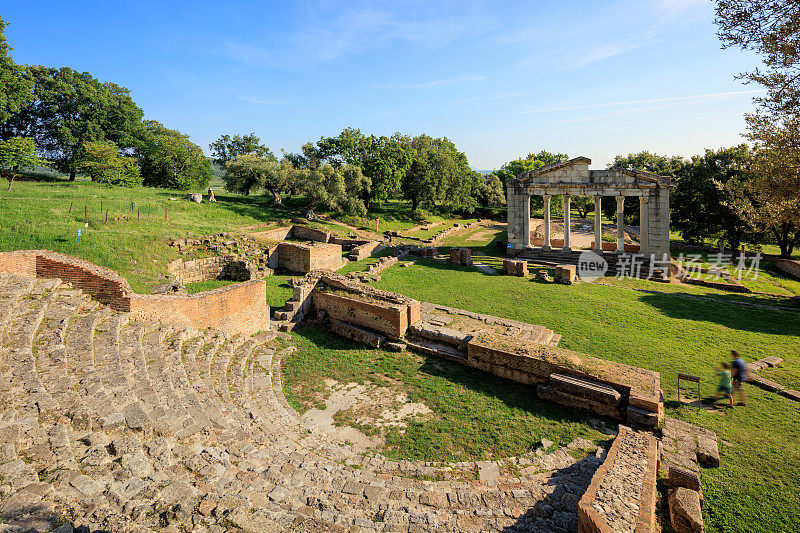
(108, 424)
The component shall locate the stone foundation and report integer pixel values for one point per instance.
(514, 267)
(303, 258)
(789, 266)
(210, 268)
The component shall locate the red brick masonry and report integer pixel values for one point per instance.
(240, 308)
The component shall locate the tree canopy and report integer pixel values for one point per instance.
(169, 159)
(228, 148)
(103, 164)
(15, 83)
(771, 29)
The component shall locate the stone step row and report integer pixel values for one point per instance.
(130, 427)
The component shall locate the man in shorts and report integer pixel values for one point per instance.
(739, 375)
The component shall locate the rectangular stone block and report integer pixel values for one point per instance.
(360, 335)
(586, 388)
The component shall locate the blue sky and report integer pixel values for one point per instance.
(501, 79)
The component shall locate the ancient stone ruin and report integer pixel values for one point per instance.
(573, 178)
(133, 413)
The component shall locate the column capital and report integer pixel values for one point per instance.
(643, 199)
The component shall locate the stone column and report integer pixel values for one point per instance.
(644, 226)
(546, 198)
(598, 224)
(620, 224)
(526, 221)
(566, 223)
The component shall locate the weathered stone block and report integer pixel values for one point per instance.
(683, 477)
(195, 197)
(548, 393)
(640, 417)
(360, 335)
(684, 510)
(707, 450)
(585, 388)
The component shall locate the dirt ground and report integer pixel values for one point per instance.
(366, 406)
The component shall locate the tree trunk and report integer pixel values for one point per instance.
(414, 203)
(71, 175)
(784, 241)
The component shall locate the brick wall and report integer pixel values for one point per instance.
(235, 308)
(790, 267)
(240, 308)
(592, 521)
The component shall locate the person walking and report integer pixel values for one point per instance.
(724, 386)
(739, 375)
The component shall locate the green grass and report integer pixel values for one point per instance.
(278, 290)
(475, 415)
(757, 487)
(48, 214)
(200, 286)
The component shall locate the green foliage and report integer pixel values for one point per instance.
(699, 207)
(770, 29)
(439, 177)
(103, 164)
(18, 153)
(514, 168)
(337, 189)
(767, 199)
(15, 83)
(659, 165)
(491, 192)
(228, 148)
(72, 108)
(169, 159)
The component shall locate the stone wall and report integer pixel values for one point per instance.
(240, 308)
(300, 257)
(533, 364)
(235, 308)
(209, 268)
(305, 233)
(388, 318)
(627, 478)
(362, 251)
(790, 267)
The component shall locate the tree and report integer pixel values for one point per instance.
(251, 170)
(335, 189)
(491, 191)
(661, 165)
(228, 148)
(169, 159)
(439, 176)
(15, 83)
(72, 108)
(17, 153)
(768, 200)
(103, 163)
(771, 29)
(699, 208)
(583, 204)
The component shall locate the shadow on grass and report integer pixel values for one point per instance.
(514, 395)
(726, 313)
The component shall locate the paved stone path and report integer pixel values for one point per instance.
(130, 427)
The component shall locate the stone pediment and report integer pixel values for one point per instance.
(576, 172)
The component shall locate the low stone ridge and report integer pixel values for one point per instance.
(110, 423)
(771, 361)
(622, 493)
